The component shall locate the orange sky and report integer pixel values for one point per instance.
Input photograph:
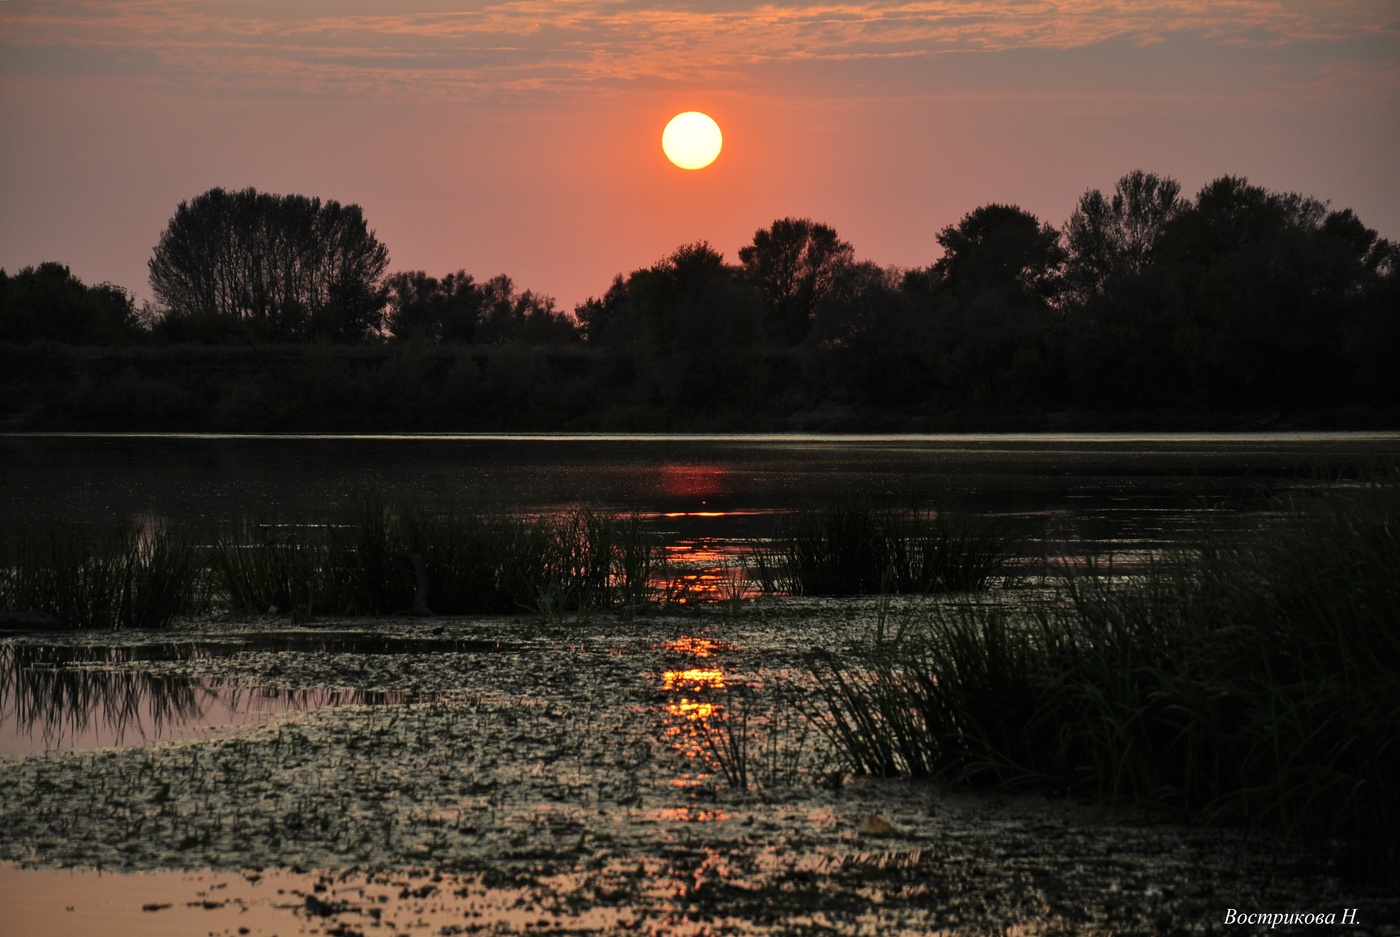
(524, 137)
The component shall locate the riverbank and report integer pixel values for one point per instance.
(407, 388)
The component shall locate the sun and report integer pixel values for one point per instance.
(691, 140)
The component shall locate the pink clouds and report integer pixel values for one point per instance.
(476, 50)
(523, 137)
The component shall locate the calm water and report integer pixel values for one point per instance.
(1095, 487)
(67, 696)
(653, 693)
(707, 496)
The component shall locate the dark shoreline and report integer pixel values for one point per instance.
(284, 389)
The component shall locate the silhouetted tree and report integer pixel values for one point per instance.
(794, 262)
(690, 322)
(48, 303)
(508, 316)
(284, 267)
(445, 310)
(1246, 298)
(1000, 249)
(1110, 238)
(1269, 284)
(872, 342)
(458, 309)
(988, 299)
(610, 320)
(667, 292)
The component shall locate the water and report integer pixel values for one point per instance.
(580, 759)
(707, 496)
(698, 489)
(569, 781)
(65, 697)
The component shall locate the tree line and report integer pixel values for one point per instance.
(1143, 299)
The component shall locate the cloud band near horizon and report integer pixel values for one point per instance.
(481, 51)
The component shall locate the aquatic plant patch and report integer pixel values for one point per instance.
(396, 558)
(854, 547)
(551, 767)
(1249, 677)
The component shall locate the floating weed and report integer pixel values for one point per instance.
(542, 776)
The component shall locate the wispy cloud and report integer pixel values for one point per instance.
(476, 50)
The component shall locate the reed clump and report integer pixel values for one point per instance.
(121, 576)
(579, 561)
(1251, 678)
(854, 547)
(473, 563)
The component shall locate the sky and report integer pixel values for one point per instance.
(524, 137)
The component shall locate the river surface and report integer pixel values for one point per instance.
(573, 771)
(1102, 487)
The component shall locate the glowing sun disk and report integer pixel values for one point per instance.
(691, 140)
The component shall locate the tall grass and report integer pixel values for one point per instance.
(124, 576)
(1253, 677)
(580, 561)
(766, 749)
(856, 548)
(473, 562)
(268, 568)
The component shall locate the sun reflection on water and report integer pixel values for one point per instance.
(704, 571)
(693, 679)
(693, 711)
(697, 647)
(692, 815)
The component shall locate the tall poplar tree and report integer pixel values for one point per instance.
(286, 267)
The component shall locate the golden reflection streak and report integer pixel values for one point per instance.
(693, 679)
(699, 647)
(689, 713)
(691, 815)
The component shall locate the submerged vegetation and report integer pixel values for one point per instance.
(1251, 677)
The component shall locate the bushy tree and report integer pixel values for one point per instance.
(459, 309)
(988, 299)
(794, 262)
(872, 342)
(609, 320)
(289, 268)
(1111, 237)
(48, 303)
(445, 310)
(690, 323)
(1268, 285)
(1242, 298)
(510, 315)
(1000, 249)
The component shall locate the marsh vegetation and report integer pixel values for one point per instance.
(1246, 677)
(816, 716)
(471, 563)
